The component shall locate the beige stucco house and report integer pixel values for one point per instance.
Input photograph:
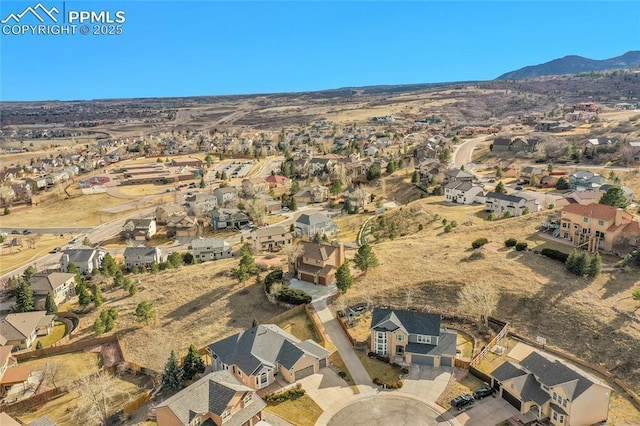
(60, 285)
(319, 262)
(272, 238)
(22, 329)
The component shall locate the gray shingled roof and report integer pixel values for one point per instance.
(263, 345)
(507, 371)
(505, 197)
(313, 219)
(80, 255)
(446, 346)
(413, 322)
(209, 242)
(553, 373)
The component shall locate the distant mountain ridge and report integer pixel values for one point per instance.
(574, 64)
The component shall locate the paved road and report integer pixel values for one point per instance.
(463, 153)
(50, 230)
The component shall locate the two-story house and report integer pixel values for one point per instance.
(254, 186)
(217, 398)
(273, 238)
(500, 204)
(457, 175)
(257, 355)
(182, 226)
(550, 389)
(22, 329)
(308, 225)
(462, 192)
(200, 204)
(319, 262)
(165, 212)
(229, 219)
(311, 194)
(205, 249)
(226, 196)
(595, 227)
(87, 259)
(319, 165)
(60, 285)
(412, 337)
(139, 229)
(143, 257)
(584, 180)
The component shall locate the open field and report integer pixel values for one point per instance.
(302, 411)
(12, 257)
(72, 366)
(538, 296)
(196, 304)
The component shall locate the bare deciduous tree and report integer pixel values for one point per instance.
(276, 289)
(293, 251)
(97, 394)
(52, 371)
(479, 299)
(408, 292)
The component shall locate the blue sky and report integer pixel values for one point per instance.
(214, 48)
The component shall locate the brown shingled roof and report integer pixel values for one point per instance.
(596, 211)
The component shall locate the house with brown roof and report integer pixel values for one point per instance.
(312, 194)
(319, 262)
(273, 238)
(182, 226)
(254, 186)
(10, 374)
(164, 212)
(215, 399)
(60, 285)
(139, 229)
(22, 329)
(596, 227)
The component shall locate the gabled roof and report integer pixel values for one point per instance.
(313, 219)
(49, 282)
(505, 197)
(595, 211)
(502, 142)
(20, 326)
(506, 371)
(269, 231)
(211, 394)
(528, 388)
(553, 373)
(209, 242)
(142, 251)
(456, 173)
(263, 345)
(318, 251)
(463, 185)
(80, 256)
(413, 322)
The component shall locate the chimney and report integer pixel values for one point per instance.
(618, 220)
(341, 257)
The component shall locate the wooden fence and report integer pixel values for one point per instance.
(286, 315)
(315, 321)
(64, 349)
(137, 403)
(496, 340)
(346, 331)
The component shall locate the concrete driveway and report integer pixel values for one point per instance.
(317, 292)
(426, 382)
(327, 389)
(488, 411)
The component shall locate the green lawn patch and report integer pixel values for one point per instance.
(59, 329)
(302, 411)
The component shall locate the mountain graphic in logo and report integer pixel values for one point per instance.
(34, 11)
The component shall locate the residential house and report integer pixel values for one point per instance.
(529, 172)
(584, 197)
(60, 285)
(548, 388)
(139, 229)
(414, 337)
(312, 194)
(254, 186)
(584, 180)
(215, 399)
(273, 238)
(143, 257)
(500, 204)
(205, 249)
(524, 145)
(308, 225)
(229, 219)
(164, 212)
(182, 226)
(319, 165)
(257, 355)
(595, 227)
(634, 146)
(37, 182)
(357, 199)
(201, 204)
(226, 196)
(603, 144)
(276, 181)
(87, 259)
(462, 192)
(457, 175)
(11, 374)
(22, 329)
(501, 145)
(319, 262)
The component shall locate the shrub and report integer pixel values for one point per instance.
(286, 395)
(479, 243)
(521, 246)
(272, 277)
(510, 242)
(554, 254)
(294, 297)
(448, 228)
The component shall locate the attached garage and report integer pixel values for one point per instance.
(301, 374)
(323, 363)
(422, 359)
(446, 362)
(511, 399)
(307, 277)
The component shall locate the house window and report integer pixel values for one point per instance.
(423, 339)
(555, 396)
(585, 219)
(225, 414)
(601, 222)
(264, 377)
(561, 418)
(555, 416)
(247, 398)
(399, 337)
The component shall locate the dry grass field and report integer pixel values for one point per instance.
(196, 304)
(13, 257)
(538, 296)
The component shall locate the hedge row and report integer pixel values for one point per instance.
(555, 254)
(285, 396)
(272, 277)
(293, 296)
(388, 385)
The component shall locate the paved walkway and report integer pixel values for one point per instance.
(335, 334)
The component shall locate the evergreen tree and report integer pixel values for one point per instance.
(336, 187)
(373, 172)
(28, 273)
(572, 261)
(24, 297)
(98, 326)
(39, 345)
(582, 264)
(193, 364)
(415, 177)
(97, 296)
(344, 279)
(365, 258)
(614, 197)
(316, 238)
(145, 312)
(175, 259)
(155, 267)
(133, 289)
(50, 304)
(500, 189)
(84, 298)
(109, 266)
(391, 166)
(293, 205)
(595, 265)
(562, 183)
(172, 376)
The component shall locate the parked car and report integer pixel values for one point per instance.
(285, 209)
(15, 231)
(518, 188)
(27, 232)
(56, 250)
(462, 402)
(483, 392)
(74, 240)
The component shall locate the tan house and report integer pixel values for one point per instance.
(10, 373)
(182, 226)
(164, 213)
(215, 399)
(312, 194)
(257, 355)
(139, 229)
(412, 338)
(273, 238)
(319, 262)
(595, 227)
(205, 249)
(22, 329)
(60, 285)
(254, 186)
(546, 388)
